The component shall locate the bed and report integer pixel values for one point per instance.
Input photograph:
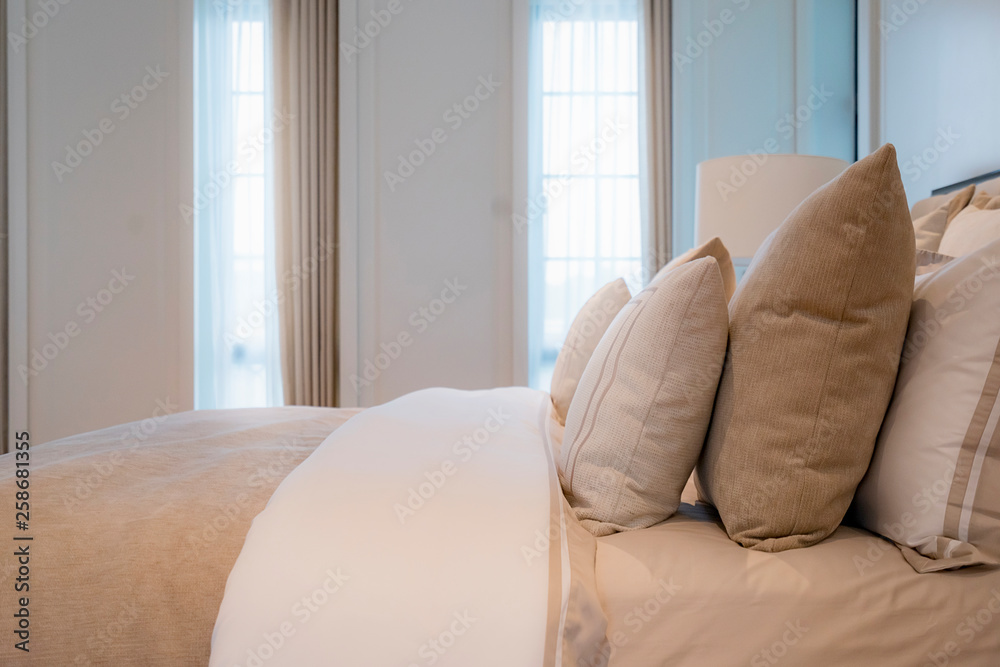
(444, 527)
(135, 539)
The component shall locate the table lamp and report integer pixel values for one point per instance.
(743, 198)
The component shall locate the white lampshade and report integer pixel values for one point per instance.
(743, 198)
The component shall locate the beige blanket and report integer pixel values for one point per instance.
(137, 527)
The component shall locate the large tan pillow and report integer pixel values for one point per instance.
(931, 227)
(584, 334)
(713, 248)
(638, 420)
(975, 227)
(816, 329)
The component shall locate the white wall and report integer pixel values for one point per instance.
(117, 210)
(450, 219)
(940, 97)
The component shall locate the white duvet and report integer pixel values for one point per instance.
(427, 531)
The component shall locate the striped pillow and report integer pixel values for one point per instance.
(639, 417)
(934, 482)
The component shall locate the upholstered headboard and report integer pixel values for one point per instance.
(924, 206)
(967, 182)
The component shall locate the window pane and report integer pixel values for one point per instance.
(248, 217)
(248, 48)
(236, 361)
(249, 125)
(588, 165)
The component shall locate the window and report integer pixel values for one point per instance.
(236, 357)
(584, 163)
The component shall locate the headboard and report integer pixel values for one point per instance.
(967, 182)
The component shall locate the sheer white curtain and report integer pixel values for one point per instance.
(585, 163)
(236, 325)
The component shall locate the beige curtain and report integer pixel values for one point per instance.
(305, 85)
(656, 45)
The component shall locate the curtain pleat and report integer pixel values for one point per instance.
(305, 70)
(657, 63)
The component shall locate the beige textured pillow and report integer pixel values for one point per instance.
(584, 334)
(713, 248)
(974, 227)
(930, 228)
(934, 483)
(638, 420)
(816, 329)
(925, 206)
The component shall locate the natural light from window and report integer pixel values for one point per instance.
(237, 309)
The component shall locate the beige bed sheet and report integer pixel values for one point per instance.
(682, 594)
(120, 578)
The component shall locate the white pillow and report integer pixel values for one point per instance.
(934, 481)
(584, 334)
(976, 226)
(638, 420)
